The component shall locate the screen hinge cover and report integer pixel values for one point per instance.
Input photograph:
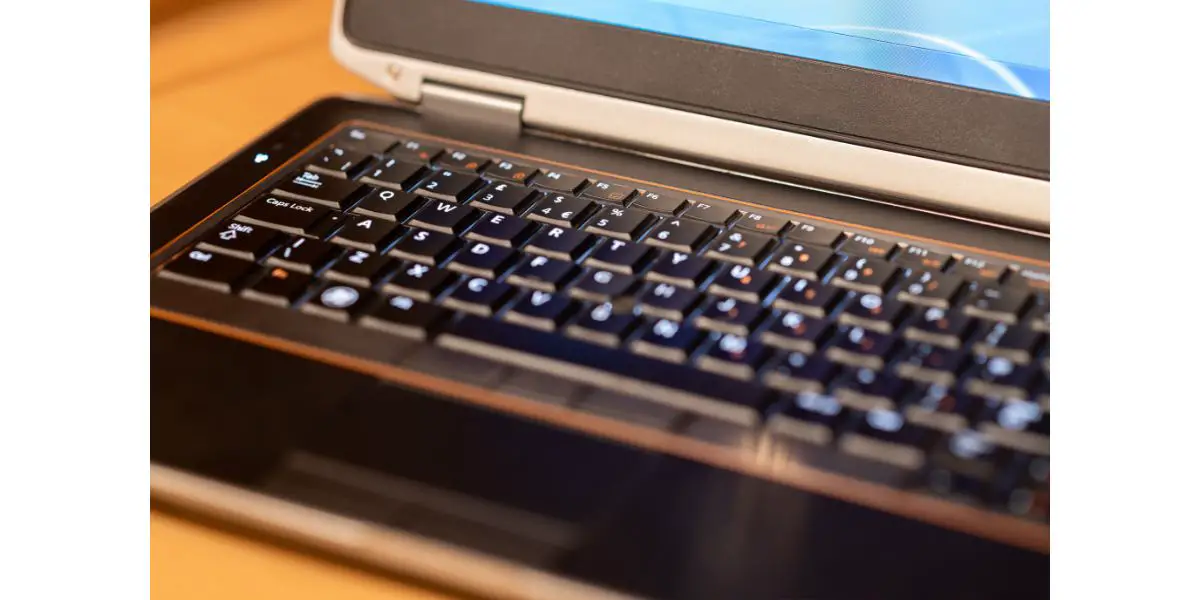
(458, 103)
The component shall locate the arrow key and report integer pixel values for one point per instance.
(241, 240)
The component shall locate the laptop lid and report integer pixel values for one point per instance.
(937, 105)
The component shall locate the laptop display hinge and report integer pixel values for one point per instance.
(459, 103)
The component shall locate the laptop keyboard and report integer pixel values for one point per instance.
(914, 357)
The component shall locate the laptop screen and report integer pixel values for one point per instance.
(996, 45)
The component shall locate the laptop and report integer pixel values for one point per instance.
(633, 299)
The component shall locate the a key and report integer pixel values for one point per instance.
(303, 254)
(1018, 344)
(937, 326)
(744, 283)
(317, 188)
(941, 407)
(660, 202)
(809, 416)
(871, 311)
(730, 315)
(358, 267)
(278, 286)
(798, 372)
(207, 269)
(862, 245)
(395, 174)
(387, 204)
(680, 235)
(1017, 424)
(240, 240)
(741, 247)
(681, 269)
(415, 151)
(541, 310)
(732, 356)
(859, 347)
(814, 235)
(330, 225)
(341, 162)
(443, 216)
(600, 285)
(921, 259)
(604, 191)
(458, 160)
(418, 281)
(284, 214)
(716, 214)
(978, 269)
(448, 186)
(619, 256)
(667, 340)
(762, 223)
(365, 139)
(801, 260)
(406, 317)
(542, 273)
(620, 222)
(424, 246)
(808, 297)
(561, 243)
(561, 209)
(502, 230)
(929, 363)
(478, 296)
(480, 259)
(367, 233)
(796, 332)
(866, 275)
(557, 181)
(998, 376)
(338, 301)
(929, 288)
(1003, 304)
(885, 436)
(867, 389)
(509, 171)
(599, 324)
(667, 301)
(504, 197)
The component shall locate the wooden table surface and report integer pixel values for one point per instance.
(222, 73)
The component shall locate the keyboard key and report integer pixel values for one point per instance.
(680, 235)
(620, 222)
(338, 161)
(1002, 304)
(762, 223)
(1000, 377)
(809, 417)
(415, 151)
(799, 373)
(860, 245)
(741, 247)
(207, 269)
(1018, 344)
(717, 214)
(885, 436)
(730, 315)
(278, 286)
(284, 214)
(504, 197)
(478, 296)
(965, 465)
(744, 283)
(871, 311)
(458, 160)
(1038, 315)
(557, 181)
(368, 233)
(938, 327)
(929, 363)
(733, 356)
(660, 202)
(619, 256)
(858, 347)
(928, 288)
(239, 240)
(867, 389)
(338, 302)
(445, 217)
(406, 317)
(808, 297)
(426, 247)
(560, 243)
(815, 235)
(448, 186)
(678, 268)
(801, 260)
(418, 281)
(1016, 424)
(865, 275)
(608, 192)
(921, 259)
(1033, 279)
(542, 273)
(365, 139)
(359, 268)
(509, 171)
(796, 332)
(667, 340)
(502, 230)
(599, 324)
(325, 190)
(561, 210)
(541, 310)
(600, 285)
(667, 301)
(483, 260)
(305, 255)
(941, 407)
(390, 205)
(330, 225)
(395, 174)
(978, 269)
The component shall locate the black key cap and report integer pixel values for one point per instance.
(240, 240)
(978, 269)
(660, 202)
(801, 260)
(928, 288)
(865, 275)
(667, 340)
(1000, 377)
(561, 210)
(808, 297)
(448, 186)
(461, 161)
(937, 326)
(418, 281)
(367, 233)
(674, 385)
(815, 235)
(207, 269)
(600, 285)
(619, 256)
(1038, 315)
(885, 436)
(542, 273)
(872, 311)
(365, 139)
(681, 269)
(861, 245)
(1018, 344)
(965, 465)
(858, 347)
(426, 247)
(1034, 279)
(1016, 424)
(667, 301)
(620, 222)
(1002, 304)
(483, 260)
(796, 332)
(326, 190)
(502, 230)
(744, 283)
(339, 161)
(741, 247)
(406, 317)
(305, 255)
(278, 286)
(810, 417)
(509, 171)
(329, 225)
(921, 259)
(941, 407)
(762, 223)
(929, 364)
(717, 214)
(391, 205)
(604, 191)
(478, 296)
(557, 181)
(415, 151)
(867, 389)
(799, 373)
(560, 243)
(359, 268)
(338, 301)
(599, 324)
(730, 315)
(732, 356)
(541, 310)
(445, 217)
(680, 235)
(283, 214)
(396, 174)
(504, 197)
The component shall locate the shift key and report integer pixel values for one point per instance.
(283, 214)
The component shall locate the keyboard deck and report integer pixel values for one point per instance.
(912, 363)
